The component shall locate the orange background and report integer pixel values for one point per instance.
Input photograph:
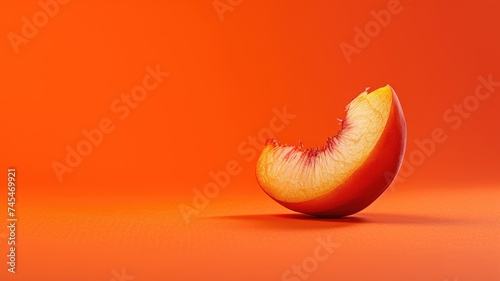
(226, 77)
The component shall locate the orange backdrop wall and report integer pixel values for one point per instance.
(228, 69)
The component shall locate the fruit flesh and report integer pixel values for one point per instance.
(349, 172)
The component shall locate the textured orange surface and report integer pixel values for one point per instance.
(260, 68)
(405, 235)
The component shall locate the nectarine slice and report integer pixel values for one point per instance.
(350, 171)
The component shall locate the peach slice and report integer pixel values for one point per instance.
(350, 171)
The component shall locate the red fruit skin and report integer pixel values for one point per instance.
(370, 180)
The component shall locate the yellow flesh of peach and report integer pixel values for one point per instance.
(288, 175)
